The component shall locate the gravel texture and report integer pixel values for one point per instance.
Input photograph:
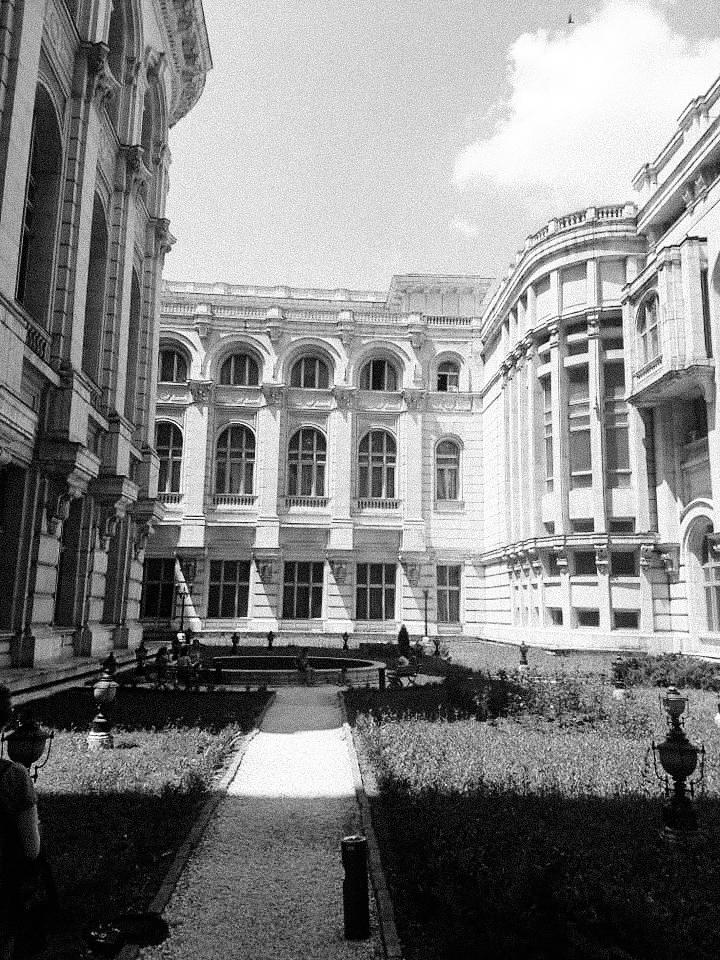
(266, 879)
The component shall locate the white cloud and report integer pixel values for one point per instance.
(587, 107)
(469, 230)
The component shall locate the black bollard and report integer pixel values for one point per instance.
(381, 678)
(355, 888)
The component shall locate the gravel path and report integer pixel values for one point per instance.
(266, 879)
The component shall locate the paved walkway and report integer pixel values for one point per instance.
(266, 879)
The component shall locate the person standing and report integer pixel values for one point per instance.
(19, 838)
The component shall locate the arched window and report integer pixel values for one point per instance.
(377, 460)
(378, 374)
(311, 373)
(447, 470)
(235, 461)
(711, 577)
(39, 225)
(95, 295)
(133, 344)
(448, 377)
(239, 370)
(172, 367)
(648, 330)
(307, 456)
(169, 445)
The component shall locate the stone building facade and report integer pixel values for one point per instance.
(534, 459)
(89, 91)
(320, 454)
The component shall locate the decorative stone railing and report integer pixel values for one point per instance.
(375, 503)
(233, 500)
(310, 503)
(170, 499)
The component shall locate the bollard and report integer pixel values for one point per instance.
(381, 678)
(355, 888)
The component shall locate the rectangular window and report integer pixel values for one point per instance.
(302, 593)
(375, 591)
(705, 295)
(617, 440)
(579, 427)
(623, 563)
(548, 432)
(585, 563)
(229, 588)
(158, 590)
(626, 619)
(588, 618)
(583, 526)
(622, 526)
(448, 594)
(556, 616)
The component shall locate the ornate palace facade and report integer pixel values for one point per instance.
(89, 91)
(533, 460)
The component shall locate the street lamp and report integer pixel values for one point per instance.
(182, 592)
(26, 744)
(426, 594)
(678, 759)
(104, 692)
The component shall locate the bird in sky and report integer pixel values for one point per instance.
(570, 18)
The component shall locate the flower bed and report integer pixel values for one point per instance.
(112, 820)
(537, 833)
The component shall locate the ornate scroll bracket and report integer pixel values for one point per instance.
(274, 395)
(101, 83)
(200, 390)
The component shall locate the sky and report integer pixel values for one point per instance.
(340, 142)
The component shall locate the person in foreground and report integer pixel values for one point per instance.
(19, 841)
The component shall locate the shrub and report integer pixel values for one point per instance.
(666, 670)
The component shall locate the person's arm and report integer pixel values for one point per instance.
(29, 832)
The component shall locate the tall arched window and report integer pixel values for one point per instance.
(239, 370)
(307, 456)
(648, 328)
(711, 577)
(447, 470)
(235, 461)
(95, 296)
(448, 377)
(172, 367)
(378, 374)
(131, 370)
(311, 373)
(169, 445)
(377, 459)
(39, 225)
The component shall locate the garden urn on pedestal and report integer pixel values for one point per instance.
(679, 760)
(104, 692)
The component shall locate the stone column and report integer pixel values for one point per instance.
(342, 469)
(267, 535)
(597, 419)
(411, 453)
(561, 463)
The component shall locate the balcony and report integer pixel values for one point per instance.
(170, 499)
(376, 503)
(306, 503)
(242, 501)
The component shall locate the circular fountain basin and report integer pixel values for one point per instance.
(281, 671)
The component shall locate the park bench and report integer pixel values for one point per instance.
(404, 675)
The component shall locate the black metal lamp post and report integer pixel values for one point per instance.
(26, 744)
(182, 591)
(104, 692)
(679, 760)
(426, 594)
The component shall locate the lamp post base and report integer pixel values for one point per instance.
(100, 740)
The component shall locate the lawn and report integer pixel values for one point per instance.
(112, 820)
(522, 820)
